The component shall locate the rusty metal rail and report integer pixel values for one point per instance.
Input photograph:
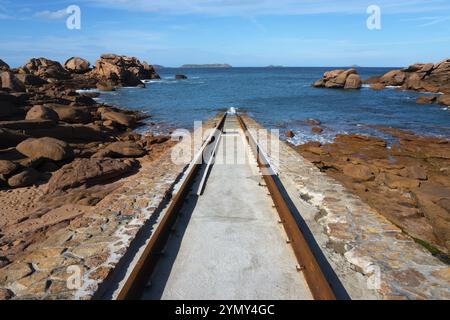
(142, 270)
(318, 284)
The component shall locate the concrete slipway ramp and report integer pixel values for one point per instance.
(228, 243)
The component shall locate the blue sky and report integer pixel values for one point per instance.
(239, 32)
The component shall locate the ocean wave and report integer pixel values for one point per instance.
(302, 137)
(150, 81)
(87, 90)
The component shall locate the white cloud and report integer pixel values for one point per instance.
(139, 43)
(52, 15)
(429, 21)
(272, 7)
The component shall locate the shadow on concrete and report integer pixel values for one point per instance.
(330, 275)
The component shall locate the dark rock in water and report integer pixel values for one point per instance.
(180, 77)
(347, 79)
(103, 86)
(9, 81)
(90, 94)
(444, 99)
(148, 72)
(317, 130)
(319, 83)
(393, 78)
(289, 134)
(26, 178)
(77, 65)
(426, 100)
(353, 81)
(89, 172)
(41, 113)
(313, 122)
(49, 148)
(372, 80)
(377, 86)
(3, 65)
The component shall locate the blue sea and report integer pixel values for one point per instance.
(280, 98)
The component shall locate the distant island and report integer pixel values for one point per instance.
(274, 66)
(217, 65)
(157, 66)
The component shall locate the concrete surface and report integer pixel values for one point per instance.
(228, 243)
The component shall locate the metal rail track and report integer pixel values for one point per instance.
(142, 270)
(314, 276)
(144, 267)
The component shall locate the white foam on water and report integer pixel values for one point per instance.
(302, 137)
(87, 90)
(232, 110)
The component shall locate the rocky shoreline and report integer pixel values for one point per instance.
(61, 152)
(408, 182)
(421, 77)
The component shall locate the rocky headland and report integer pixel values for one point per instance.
(421, 77)
(424, 77)
(339, 79)
(60, 150)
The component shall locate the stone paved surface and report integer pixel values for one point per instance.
(358, 241)
(76, 260)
